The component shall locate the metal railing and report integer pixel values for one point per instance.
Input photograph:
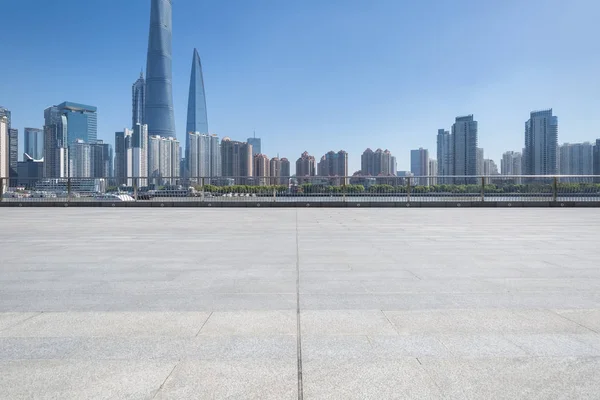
(356, 189)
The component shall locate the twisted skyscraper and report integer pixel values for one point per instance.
(197, 118)
(159, 91)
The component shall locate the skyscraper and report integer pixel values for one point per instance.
(464, 148)
(159, 91)
(34, 143)
(256, 145)
(433, 171)
(576, 159)
(378, 163)
(137, 155)
(541, 144)
(138, 101)
(197, 117)
(236, 160)
(13, 155)
(82, 121)
(306, 165)
(3, 151)
(122, 144)
(445, 156)
(512, 164)
(56, 153)
(204, 156)
(480, 161)
(102, 159)
(419, 166)
(164, 156)
(261, 169)
(285, 171)
(80, 159)
(597, 160)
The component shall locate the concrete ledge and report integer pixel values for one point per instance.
(307, 204)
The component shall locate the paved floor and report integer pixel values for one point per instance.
(299, 303)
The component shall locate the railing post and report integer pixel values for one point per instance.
(408, 189)
(135, 189)
(274, 193)
(344, 188)
(555, 189)
(202, 189)
(482, 188)
(68, 189)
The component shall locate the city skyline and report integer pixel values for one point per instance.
(406, 127)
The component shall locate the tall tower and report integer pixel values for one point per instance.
(138, 101)
(197, 118)
(541, 144)
(159, 90)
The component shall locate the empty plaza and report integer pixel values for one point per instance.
(245, 303)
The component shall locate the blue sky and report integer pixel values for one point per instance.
(319, 75)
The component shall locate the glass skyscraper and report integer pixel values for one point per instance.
(138, 101)
(541, 144)
(82, 122)
(159, 91)
(34, 143)
(197, 118)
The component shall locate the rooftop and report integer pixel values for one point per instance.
(299, 303)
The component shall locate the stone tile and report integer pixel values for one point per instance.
(345, 322)
(19, 348)
(481, 346)
(92, 324)
(558, 345)
(69, 379)
(336, 347)
(248, 379)
(587, 318)
(515, 378)
(10, 319)
(367, 379)
(481, 321)
(408, 346)
(251, 323)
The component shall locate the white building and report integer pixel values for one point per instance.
(137, 155)
(433, 171)
(511, 164)
(204, 157)
(4, 152)
(576, 159)
(80, 159)
(164, 156)
(419, 166)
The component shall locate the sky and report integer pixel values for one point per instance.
(319, 75)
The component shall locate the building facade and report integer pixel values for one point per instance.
(122, 144)
(541, 144)
(102, 160)
(445, 156)
(333, 164)
(34, 143)
(576, 159)
(82, 121)
(378, 163)
(286, 172)
(433, 171)
(597, 160)
(306, 166)
(204, 157)
(256, 145)
(164, 156)
(4, 151)
(464, 148)
(262, 170)
(159, 115)
(80, 159)
(236, 160)
(197, 121)
(56, 149)
(419, 166)
(30, 171)
(138, 101)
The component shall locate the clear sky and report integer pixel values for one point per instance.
(319, 75)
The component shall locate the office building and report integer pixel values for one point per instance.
(13, 154)
(30, 171)
(80, 159)
(576, 159)
(433, 171)
(138, 101)
(541, 144)
(33, 143)
(236, 160)
(306, 166)
(101, 159)
(164, 156)
(445, 157)
(204, 157)
(197, 118)
(464, 148)
(286, 172)
(137, 155)
(4, 152)
(159, 90)
(378, 163)
(56, 149)
(597, 160)
(261, 170)
(256, 145)
(82, 121)
(480, 161)
(419, 166)
(121, 160)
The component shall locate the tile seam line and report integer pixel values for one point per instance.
(575, 322)
(162, 385)
(23, 321)
(204, 324)
(298, 320)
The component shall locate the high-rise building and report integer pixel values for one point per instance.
(306, 166)
(102, 159)
(164, 156)
(419, 166)
(464, 148)
(138, 101)
(82, 121)
(13, 155)
(80, 159)
(261, 169)
(285, 171)
(512, 164)
(56, 152)
(3, 152)
(480, 161)
(445, 155)
(378, 163)
(597, 160)
(490, 168)
(275, 171)
(197, 116)
(256, 145)
(433, 171)
(137, 155)
(34, 143)
(333, 164)
(236, 160)
(541, 144)
(576, 159)
(122, 144)
(204, 157)
(159, 90)
(30, 171)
